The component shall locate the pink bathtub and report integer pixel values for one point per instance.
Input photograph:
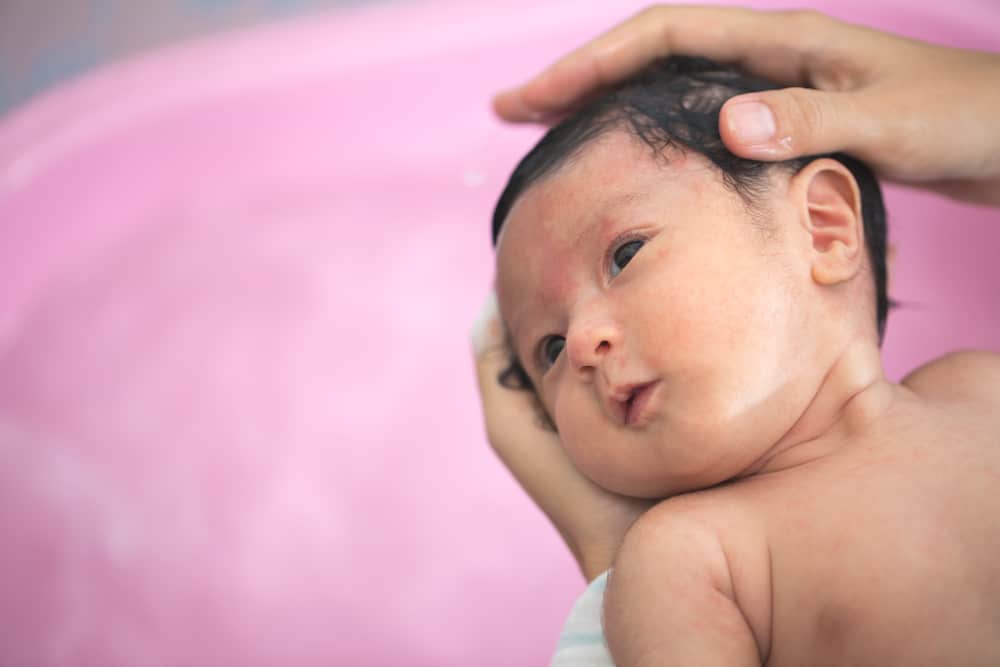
(238, 422)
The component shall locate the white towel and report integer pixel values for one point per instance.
(581, 643)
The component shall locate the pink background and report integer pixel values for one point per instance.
(238, 420)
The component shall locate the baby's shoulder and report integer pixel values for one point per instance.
(716, 510)
(971, 376)
(693, 545)
(710, 523)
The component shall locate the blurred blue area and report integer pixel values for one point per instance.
(45, 42)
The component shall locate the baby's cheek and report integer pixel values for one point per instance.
(674, 316)
(560, 409)
(568, 410)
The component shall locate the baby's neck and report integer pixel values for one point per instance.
(852, 396)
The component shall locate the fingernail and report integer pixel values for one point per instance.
(752, 123)
(510, 104)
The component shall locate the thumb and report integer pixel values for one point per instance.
(784, 124)
(487, 331)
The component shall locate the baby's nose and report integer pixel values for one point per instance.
(590, 342)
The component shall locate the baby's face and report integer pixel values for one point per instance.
(663, 332)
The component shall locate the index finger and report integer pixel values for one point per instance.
(776, 45)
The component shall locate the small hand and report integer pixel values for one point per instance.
(917, 113)
(591, 520)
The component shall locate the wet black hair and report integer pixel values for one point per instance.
(673, 106)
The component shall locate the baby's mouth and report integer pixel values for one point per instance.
(629, 402)
(637, 404)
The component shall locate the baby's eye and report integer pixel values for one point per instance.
(550, 350)
(623, 255)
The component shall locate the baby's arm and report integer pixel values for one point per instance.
(671, 599)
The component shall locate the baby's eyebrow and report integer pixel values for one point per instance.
(605, 212)
(622, 200)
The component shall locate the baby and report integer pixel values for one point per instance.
(706, 329)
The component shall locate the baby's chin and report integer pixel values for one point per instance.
(658, 464)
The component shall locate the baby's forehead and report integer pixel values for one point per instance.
(614, 179)
(599, 181)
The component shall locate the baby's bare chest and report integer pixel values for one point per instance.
(890, 557)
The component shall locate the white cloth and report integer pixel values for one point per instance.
(582, 643)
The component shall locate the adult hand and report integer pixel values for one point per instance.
(591, 520)
(917, 113)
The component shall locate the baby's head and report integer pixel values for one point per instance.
(676, 307)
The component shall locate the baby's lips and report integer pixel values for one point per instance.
(487, 329)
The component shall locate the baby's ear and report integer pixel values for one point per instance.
(830, 211)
